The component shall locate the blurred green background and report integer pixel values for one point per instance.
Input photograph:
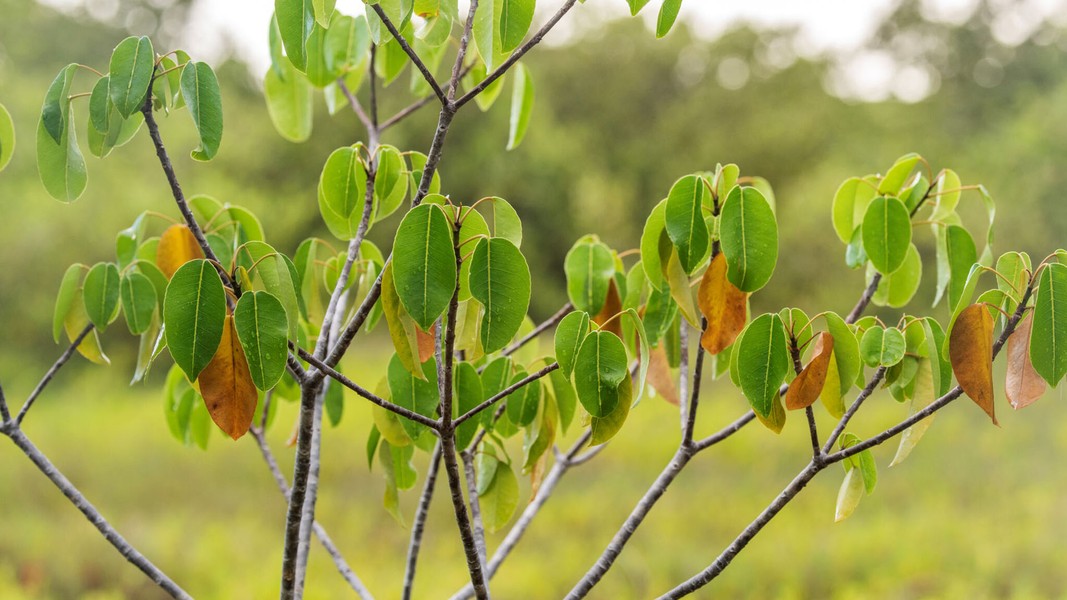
(976, 512)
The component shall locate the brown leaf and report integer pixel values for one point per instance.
(177, 246)
(427, 342)
(612, 307)
(805, 389)
(970, 349)
(226, 385)
(1022, 384)
(723, 305)
(660, 377)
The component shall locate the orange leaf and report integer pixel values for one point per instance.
(226, 385)
(612, 307)
(660, 377)
(1022, 383)
(970, 349)
(723, 305)
(805, 389)
(427, 342)
(177, 246)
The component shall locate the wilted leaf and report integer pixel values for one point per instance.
(806, 388)
(723, 305)
(226, 385)
(971, 353)
(1022, 384)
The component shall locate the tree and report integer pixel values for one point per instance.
(247, 324)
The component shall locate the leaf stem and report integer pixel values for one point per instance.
(48, 376)
(421, 66)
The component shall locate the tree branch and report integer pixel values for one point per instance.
(864, 300)
(56, 366)
(356, 106)
(461, 55)
(5, 414)
(301, 471)
(541, 328)
(879, 375)
(689, 424)
(418, 528)
(421, 66)
(723, 433)
(476, 509)
(504, 393)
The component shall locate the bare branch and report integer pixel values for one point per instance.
(419, 526)
(476, 507)
(864, 300)
(356, 106)
(505, 393)
(464, 43)
(301, 472)
(877, 378)
(5, 414)
(541, 328)
(689, 424)
(56, 366)
(421, 66)
(724, 433)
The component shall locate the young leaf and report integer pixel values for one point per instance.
(274, 273)
(390, 183)
(342, 192)
(849, 206)
(651, 256)
(487, 32)
(59, 159)
(668, 12)
(956, 254)
(424, 264)
(849, 496)
(500, 280)
(262, 328)
(101, 294)
(226, 385)
(194, 314)
(177, 246)
(200, 90)
(130, 74)
(882, 346)
(1022, 383)
(970, 347)
(599, 368)
(763, 360)
(806, 388)
(514, 21)
(749, 236)
(723, 305)
(296, 18)
(684, 221)
(7, 137)
(898, 288)
(289, 101)
(897, 175)
(1048, 342)
(569, 335)
(589, 267)
(501, 497)
(69, 287)
(139, 301)
(886, 233)
(522, 97)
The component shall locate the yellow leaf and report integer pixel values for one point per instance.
(177, 246)
(806, 388)
(970, 349)
(776, 420)
(1022, 383)
(226, 385)
(723, 305)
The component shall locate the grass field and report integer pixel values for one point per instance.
(976, 512)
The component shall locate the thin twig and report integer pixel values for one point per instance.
(879, 375)
(464, 43)
(56, 366)
(356, 106)
(694, 399)
(683, 373)
(723, 433)
(301, 471)
(418, 528)
(421, 66)
(406, 112)
(864, 300)
(5, 414)
(541, 328)
(477, 525)
(504, 393)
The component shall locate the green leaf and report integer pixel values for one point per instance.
(343, 192)
(262, 328)
(200, 89)
(682, 291)
(413, 394)
(472, 229)
(500, 499)
(7, 137)
(886, 233)
(521, 100)
(636, 5)
(469, 394)
(402, 328)
(139, 301)
(589, 267)
(1014, 268)
(101, 294)
(897, 175)
(274, 273)
(390, 183)
(956, 253)
(569, 335)
(289, 102)
(566, 399)
(948, 195)
(399, 13)
(855, 255)
(424, 264)
(487, 32)
(749, 236)
(882, 346)
(651, 254)
(60, 163)
(604, 428)
(323, 10)
(1048, 339)
(523, 403)
(684, 221)
(489, 95)
(107, 127)
(763, 361)
(514, 21)
(849, 496)
(898, 288)
(845, 364)
(132, 64)
(599, 368)
(668, 12)
(500, 280)
(333, 401)
(645, 353)
(194, 311)
(54, 111)
(495, 378)
(68, 288)
(296, 18)
(940, 367)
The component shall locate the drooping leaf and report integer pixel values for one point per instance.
(681, 290)
(500, 499)
(402, 328)
(523, 404)
(749, 236)
(262, 329)
(849, 495)
(684, 221)
(604, 428)
(273, 272)
(956, 254)
(806, 388)
(289, 101)
(948, 195)
(776, 420)
(101, 294)
(343, 191)
(886, 233)
(651, 258)
(1048, 340)
(723, 305)
(69, 287)
(500, 280)
(226, 385)
(469, 393)
(413, 394)
(424, 264)
(599, 368)
(668, 13)
(762, 359)
(570, 333)
(925, 393)
(660, 377)
(522, 97)
(139, 301)
(971, 352)
(1022, 383)
(390, 183)
(1014, 269)
(200, 89)
(636, 5)
(296, 19)
(589, 267)
(59, 159)
(130, 74)
(514, 21)
(850, 204)
(566, 398)
(194, 314)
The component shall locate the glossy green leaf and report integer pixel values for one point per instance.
(523, 403)
(273, 272)
(749, 235)
(956, 253)
(947, 195)
(599, 368)
(323, 9)
(897, 175)
(61, 165)
(130, 72)
(604, 428)
(68, 288)
(107, 127)
(886, 233)
(668, 13)
(855, 255)
(566, 398)
(289, 102)
(296, 19)
(101, 294)
(390, 183)
(500, 499)
(399, 13)
(652, 260)
(898, 288)
(7, 137)
(569, 335)
(139, 301)
(472, 229)
(882, 346)
(589, 267)
(414, 394)
(487, 32)
(200, 89)
(514, 22)
(1048, 339)
(54, 111)
(424, 264)
(636, 5)
(522, 99)
(194, 311)
(684, 221)
(1014, 268)
(469, 394)
(262, 328)
(762, 361)
(500, 280)
(343, 192)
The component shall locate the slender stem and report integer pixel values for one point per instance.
(372, 84)
(418, 528)
(406, 112)
(694, 399)
(683, 373)
(56, 366)
(301, 472)
(504, 393)
(307, 513)
(421, 66)
(476, 509)
(464, 43)
(541, 328)
(5, 414)
(320, 532)
(92, 514)
(813, 428)
(877, 378)
(356, 106)
(723, 433)
(864, 300)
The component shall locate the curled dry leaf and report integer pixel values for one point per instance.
(805, 389)
(723, 305)
(1022, 383)
(612, 307)
(226, 385)
(177, 246)
(970, 349)
(660, 377)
